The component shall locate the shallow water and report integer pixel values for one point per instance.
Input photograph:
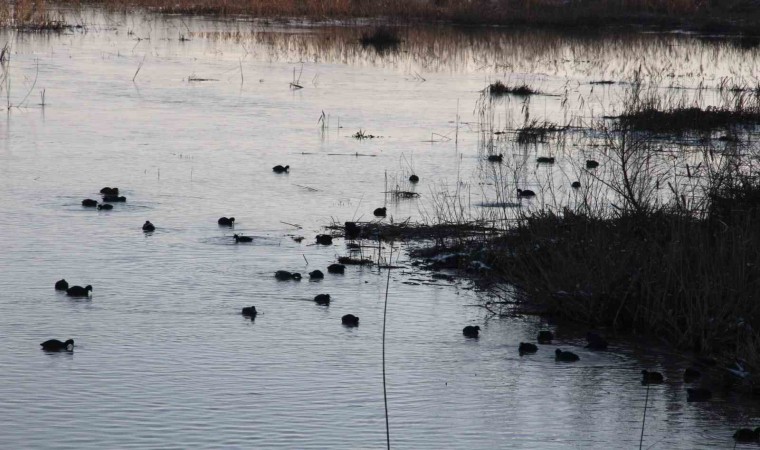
(164, 359)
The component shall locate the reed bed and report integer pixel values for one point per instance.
(710, 15)
(31, 16)
(650, 109)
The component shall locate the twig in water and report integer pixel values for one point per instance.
(385, 200)
(5, 54)
(456, 136)
(292, 224)
(295, 83)
(139, 67)
(385, 392)
(304, 258)
(37, 73)
(643, 421)
(442, 137)
(323, 122)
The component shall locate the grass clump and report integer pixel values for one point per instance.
(662, 272)
(349, 261)
(362, 135)
(498, 89)
(692, 119)
(382, 39)
(407, 230)
(648, 109)
(536, 132)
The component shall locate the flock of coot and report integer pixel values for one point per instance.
(595, 341)
(111, 194)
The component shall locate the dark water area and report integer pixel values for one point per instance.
(163, 357)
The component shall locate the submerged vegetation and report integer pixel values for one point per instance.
(498, 88)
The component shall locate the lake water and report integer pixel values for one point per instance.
(164, 359)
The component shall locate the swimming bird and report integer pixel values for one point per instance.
(336, 268)
(54, 345)
(322, 299)
(648, 377)
(61, 285)
(471, 331)
(380, 212)
(279, 169)
(414, 179)
(527, 347)
(316, 275)
(747, 435)
(79, 291)
(698, 394)
(148, 227)
(110, 191)
(595, 341)
(90, 203)
(525, 193)
(324, 239)
(545, 160)
(296, 276)
(350, 320)
(576, 184)
(559, 355)
(283, 275)
(226, 221)
(591, 164)
(241, 238)
(105, 206)
(114, 198)
(250, 311)
(545, 337)
(496, 158)
(691, 374)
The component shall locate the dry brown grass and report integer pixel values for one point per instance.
(705, 14)
(30, 15)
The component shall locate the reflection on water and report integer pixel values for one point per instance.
(163, 356)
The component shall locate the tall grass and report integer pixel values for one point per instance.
(650, 109)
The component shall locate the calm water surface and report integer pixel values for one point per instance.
(163, 358)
